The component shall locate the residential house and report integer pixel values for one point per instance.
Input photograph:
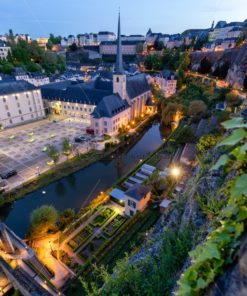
(136, 199)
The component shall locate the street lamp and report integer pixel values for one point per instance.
(175, 172)
(38, 171)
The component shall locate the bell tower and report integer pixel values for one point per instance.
(119, 77)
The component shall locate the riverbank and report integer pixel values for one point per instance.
(75, 164)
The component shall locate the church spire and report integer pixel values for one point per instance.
(119, 63)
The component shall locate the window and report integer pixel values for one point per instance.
(30, 109)
(27, 95)
(105, 130)
(8, 114)
(96, 124)
(20, 112)
(64, 107)
(22, 118)
(131, 203)
(31, 115)
(6, 107)
(105, 123)
(16, 98)
(10, 121)
(29, 103)
(18, 105)
(4, 100)
(117, 79)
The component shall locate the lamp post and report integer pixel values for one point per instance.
(38, 170)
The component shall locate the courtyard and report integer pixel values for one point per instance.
(23, 148)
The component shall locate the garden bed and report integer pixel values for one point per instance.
(102, 217)
(90, 248)
(114, 225)
(80, 238)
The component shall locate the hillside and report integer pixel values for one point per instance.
(199, 246)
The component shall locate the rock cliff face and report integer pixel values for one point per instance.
(230, 63)
(238, 70)
(234, 280)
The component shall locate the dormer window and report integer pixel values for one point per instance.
(117, 79)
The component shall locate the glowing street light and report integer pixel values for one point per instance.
(175, 172)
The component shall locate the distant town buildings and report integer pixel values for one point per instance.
(105, 36)
(42, 42)
(4, 50)
(106, 104)
(36, 79)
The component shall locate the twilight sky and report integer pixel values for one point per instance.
(63, 17)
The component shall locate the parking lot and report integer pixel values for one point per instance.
(22, 148)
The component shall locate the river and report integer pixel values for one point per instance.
(77, 189)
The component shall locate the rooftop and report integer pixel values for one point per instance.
(138, 192)
(12, 87)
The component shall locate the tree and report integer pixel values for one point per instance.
(73, 47)
(169, 113)
(185, 60)
(148, 62)
(180, 77)
(232, 99)
(65, 218)
(42, 220)
(184, 135)
(157, 66)
(67, 147)
(197, 110)
(206, 142)
(53, 153)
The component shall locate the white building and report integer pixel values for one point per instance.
(4, 50)
(136, 199)
(20, 102)
(106, 36)
(167, 82)
(225, 30)
(136, 38)
(36, 79)
(110, 47)
(25, 37)
(87, 39)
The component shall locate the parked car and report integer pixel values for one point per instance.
(80, 139)
(9, 174)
